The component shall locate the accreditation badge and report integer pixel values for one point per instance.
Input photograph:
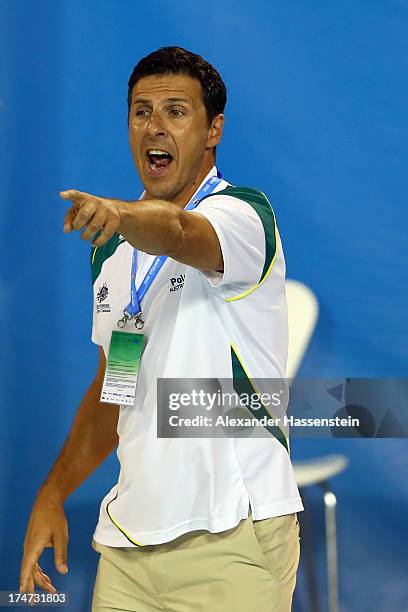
(122, 368)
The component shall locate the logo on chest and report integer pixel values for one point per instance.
(176, 282)
(101, 297)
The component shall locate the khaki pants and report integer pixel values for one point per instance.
(250, 568)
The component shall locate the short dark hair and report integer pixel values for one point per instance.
(176, 60)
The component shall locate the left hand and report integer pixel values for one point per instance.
(94, 213)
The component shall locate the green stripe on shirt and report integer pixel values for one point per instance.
(242, 385)
(263, 208)
(100, 254)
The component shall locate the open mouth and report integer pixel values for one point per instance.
(158, 159)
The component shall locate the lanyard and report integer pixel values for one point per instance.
(133, 309)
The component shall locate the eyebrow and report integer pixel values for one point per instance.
(146, 101)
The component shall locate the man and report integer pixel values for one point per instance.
(229, 505)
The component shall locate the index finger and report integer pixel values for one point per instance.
(27, 566)
(79, 198)
(74, 194)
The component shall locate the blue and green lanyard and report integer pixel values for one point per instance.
(133, 309)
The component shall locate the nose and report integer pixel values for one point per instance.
(156, 126)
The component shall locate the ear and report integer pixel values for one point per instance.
(215, 131)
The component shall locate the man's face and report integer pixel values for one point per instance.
(170, 135)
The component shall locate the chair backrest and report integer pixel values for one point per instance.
(303, 310)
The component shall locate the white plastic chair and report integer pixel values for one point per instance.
(303, 312)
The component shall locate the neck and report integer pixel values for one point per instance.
(185, 196)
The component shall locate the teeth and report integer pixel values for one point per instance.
(157, 152)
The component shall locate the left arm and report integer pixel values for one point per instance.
(153, 226)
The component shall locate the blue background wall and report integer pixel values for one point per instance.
(317, 118)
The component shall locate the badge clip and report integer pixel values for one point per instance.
(139, 323)
(122, 322)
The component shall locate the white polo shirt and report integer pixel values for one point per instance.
(198, 325)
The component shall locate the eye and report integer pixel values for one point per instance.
(176, 112)
(141, 112)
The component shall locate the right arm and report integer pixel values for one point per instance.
(91, 439)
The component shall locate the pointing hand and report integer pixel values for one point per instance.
(92, 213)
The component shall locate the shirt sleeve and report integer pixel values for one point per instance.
(243, 228)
